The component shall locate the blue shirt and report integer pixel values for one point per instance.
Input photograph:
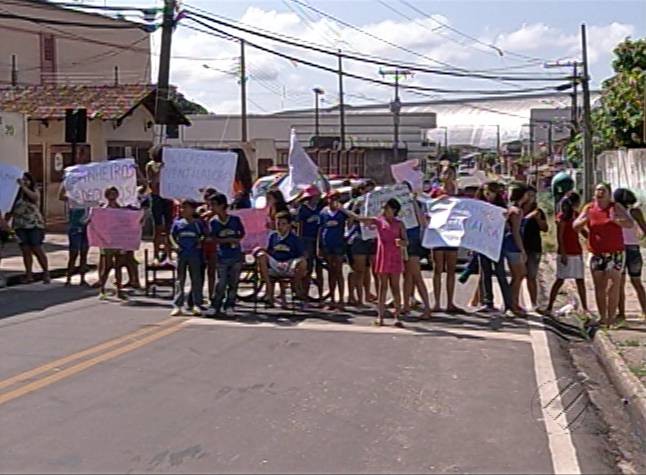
(310, 221)
(414, 234)
(333, 228)
(285, 248)
(231, 228)
(187, 236)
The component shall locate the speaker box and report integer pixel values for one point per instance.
(75, 125)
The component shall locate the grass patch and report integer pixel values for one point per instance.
(632, 343)
(639, 371)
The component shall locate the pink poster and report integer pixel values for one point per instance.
(256, 233)
(115, 228)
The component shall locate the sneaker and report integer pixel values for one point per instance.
(229, 313)
(103, 296)
(211, 313)
(177, 312)
(122, 296)
(196, 312)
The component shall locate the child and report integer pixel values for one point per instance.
(389, 265)
(186, 236)
(78, 244)
(333, 219)
(570, 254)
(227, 232)
(112, 258)
(283, 258)
(309, 222)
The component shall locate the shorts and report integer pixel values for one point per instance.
(634, 261)
(446, 249)
(415, 248)
(33, 237)
(607, 262)
(532, 264)
(162, 211)
(513, 258)
(359, 247)
(335, 251)
(573, 269)
(77, 238)
(283, 269)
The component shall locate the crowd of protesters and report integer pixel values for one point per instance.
(317, 234)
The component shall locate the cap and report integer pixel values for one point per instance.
(310, 192)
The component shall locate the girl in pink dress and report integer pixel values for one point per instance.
(389, 263)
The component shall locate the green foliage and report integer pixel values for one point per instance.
(618, 122)
(186, 106)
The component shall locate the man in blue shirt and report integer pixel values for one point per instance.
(227, 231)
(186, 236)
(283, 258)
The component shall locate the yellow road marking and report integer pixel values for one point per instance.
(77, 368)
(27, 375)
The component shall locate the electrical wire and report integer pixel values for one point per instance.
(353, 57)
(378, 59)
(102, 26)
(377, 81)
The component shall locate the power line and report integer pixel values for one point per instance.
(387, 63)
(102, 26)
(375, 81)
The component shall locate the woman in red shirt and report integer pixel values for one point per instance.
(604, 220)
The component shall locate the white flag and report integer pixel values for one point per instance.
(408, 172)
(302, 170)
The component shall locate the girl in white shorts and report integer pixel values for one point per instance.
(569, 264)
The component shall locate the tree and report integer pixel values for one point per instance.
(186, 106)
(618, 121)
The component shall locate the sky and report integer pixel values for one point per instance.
(509, 37)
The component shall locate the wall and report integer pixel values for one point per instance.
(13, 139)
(626, 169)
(82, 55)
(52, 136)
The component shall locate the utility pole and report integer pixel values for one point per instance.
(163, 77)
(588, 166)
(14, 71)
(395, 106)
(341, 101)
(243, 94)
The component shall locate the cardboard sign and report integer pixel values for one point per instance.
(376, 200)
(115, 228)
(468, 223)
(85, 185)
(254, 222)
(9, 176)
(186, 171)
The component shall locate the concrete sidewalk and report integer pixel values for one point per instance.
(12, 267)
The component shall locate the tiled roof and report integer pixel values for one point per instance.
(50, 102)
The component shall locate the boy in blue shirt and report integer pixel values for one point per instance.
(283, 258)
(333, 220)
(186, 236)
(227, 232)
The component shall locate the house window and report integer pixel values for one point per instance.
(172, 131)
(136, 150)
(48, 48)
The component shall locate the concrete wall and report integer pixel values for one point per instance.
(13, 139)
(82, 55)
(626, 169)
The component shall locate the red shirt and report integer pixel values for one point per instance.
(605, 236)
(571, 244)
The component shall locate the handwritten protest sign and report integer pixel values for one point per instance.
(115, 228)
(408, 172)
(467, 223)
(85, 185)
(375, 201)
(256, 233)
(186, 171)
(8, 186)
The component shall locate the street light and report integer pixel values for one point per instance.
(317, 92)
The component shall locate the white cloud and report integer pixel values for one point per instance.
(275, 82)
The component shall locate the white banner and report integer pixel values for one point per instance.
(9, 176)
(302, 170)
(186, 171)
(467, 223)
(376, 200)
(85, 185)
(408, 172)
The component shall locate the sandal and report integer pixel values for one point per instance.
(377, 323)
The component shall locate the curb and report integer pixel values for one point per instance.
(626, 383)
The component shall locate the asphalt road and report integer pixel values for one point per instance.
(89, 386)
